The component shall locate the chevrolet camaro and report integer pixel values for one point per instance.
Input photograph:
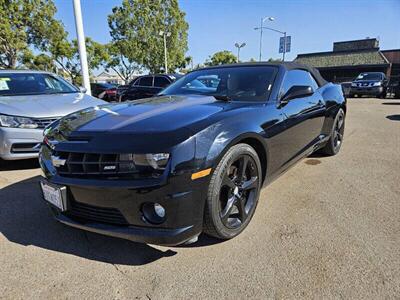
(192, 159)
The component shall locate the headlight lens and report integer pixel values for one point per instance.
(354, 84)
(377, 84)
(157, 161)
(17, 122)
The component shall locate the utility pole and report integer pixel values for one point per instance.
(81, 45)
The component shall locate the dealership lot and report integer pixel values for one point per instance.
(329, 227)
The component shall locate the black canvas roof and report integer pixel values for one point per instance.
(287, 65)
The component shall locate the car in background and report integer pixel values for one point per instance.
(105, 91)
(121, 89)
(192, 159)
(148, 86)
(30, 101)
(369, 84)
(346, 87)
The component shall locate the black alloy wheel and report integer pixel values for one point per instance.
(233, 192)
(334, 143)
(338, 131)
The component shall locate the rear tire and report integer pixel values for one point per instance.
(335, 141)
(233, 193)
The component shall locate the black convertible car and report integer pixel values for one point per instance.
(164, 169)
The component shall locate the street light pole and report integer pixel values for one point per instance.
(238, 46)
(81, 45)
(284, 46)
(165, 34)
(261, 32)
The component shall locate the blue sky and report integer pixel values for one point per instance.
(216, 25)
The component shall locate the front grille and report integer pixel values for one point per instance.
(91, 165)
(43, 122)
(85, 212)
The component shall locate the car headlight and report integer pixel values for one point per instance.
(377, 84)
(354, 84)
(17, 122)
(157, 161)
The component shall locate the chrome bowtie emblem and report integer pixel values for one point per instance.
(57, 161)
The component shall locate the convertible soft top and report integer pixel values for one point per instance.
(286, 65)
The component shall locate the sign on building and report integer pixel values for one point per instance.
(282, 44)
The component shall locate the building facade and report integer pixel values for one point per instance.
(350, 58)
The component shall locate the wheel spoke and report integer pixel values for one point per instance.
(242, 167)
(226, 181)
(241, 205)
(340, 123)
(250, 184)
(226, 212)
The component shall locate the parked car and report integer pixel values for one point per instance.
(370, 84)
(395, 89)
(120, 90)
(346, 87)
(105, 91)
(165, 169)
(30, 101)
(148, 86)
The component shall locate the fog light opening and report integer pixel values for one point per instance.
(153, 213)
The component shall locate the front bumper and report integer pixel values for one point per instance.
(17, 143)
(116, 209)
(370, 91)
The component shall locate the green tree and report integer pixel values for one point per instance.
(221, 58)
(37, 62)
(136, 27)
(274, 60)
(124, 67)
(25, 23)
(66, 55)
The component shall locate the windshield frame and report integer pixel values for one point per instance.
(274, 75)
(73, 88)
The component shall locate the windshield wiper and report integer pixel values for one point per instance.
(222, 97)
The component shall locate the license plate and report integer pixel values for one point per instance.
(54, 194)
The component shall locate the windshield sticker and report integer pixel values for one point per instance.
(4, 85)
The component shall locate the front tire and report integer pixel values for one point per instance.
(336, 140)
(233, 192)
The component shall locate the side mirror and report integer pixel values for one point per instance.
(297, 91)
(82, 89)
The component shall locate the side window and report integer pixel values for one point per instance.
(146, 81)
(297, 77)
(160, 81)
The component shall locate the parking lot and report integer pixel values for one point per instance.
(329, 227)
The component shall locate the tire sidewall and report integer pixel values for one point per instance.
(336, 150)
(215, 187)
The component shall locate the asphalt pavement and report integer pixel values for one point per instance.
(327, 228)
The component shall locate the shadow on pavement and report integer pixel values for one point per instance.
(391, 103)
(25, 219)
(393, 117)
(24, 164)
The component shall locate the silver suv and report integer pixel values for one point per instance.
(29, 101)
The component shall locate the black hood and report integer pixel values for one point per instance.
(171, 118)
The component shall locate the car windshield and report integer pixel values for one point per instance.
(369, 76)
(15, 84)
(250, 83)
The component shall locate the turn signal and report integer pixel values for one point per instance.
(200, 174)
